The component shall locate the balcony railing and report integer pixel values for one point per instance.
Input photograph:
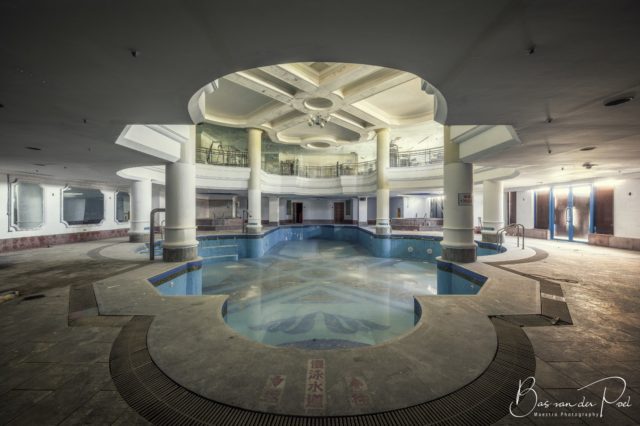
(222, 157)
(420, 158)
(292, 168)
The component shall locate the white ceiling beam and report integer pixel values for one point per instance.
(371, 87)
(270, 112)
(258, 85)
(292, 75)
(289, 122)
(341, 75)
(347, 123)
(365, 116)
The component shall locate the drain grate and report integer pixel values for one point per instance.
(162, 401)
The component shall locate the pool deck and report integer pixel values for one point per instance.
(54, 370)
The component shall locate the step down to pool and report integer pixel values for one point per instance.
(162, 401)
(217, 259)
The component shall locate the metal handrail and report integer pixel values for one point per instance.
(152, 231)
(518, 226)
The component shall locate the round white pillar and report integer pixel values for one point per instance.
(457, 243)
(254, 225)
(382, 193)
(234, 205)
(180, 242)
(140, 210)
(492, 210)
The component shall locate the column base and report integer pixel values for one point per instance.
(492, 238)
(138, 238)
(179, 254)
(254, 229)
(383, 229)
(460, 255)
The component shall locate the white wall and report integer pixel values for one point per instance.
(478, 199)
(52, 197)
(626, 209)
(158, 201)
(317, 209)
(524, 208)
(416, 207)
(371, 208)
(396, 203)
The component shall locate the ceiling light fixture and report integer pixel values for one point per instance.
(619, 101)
(318, 120)
(33, 148)
(588, 148)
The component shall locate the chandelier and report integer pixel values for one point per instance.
(318, 120)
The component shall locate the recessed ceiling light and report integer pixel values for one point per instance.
(588, 148)
(39, 164)
(33, 148)
(619, 101)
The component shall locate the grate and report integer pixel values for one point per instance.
(162, 401)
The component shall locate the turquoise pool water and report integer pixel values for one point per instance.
(318, 293)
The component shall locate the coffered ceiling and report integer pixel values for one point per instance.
(354, 99)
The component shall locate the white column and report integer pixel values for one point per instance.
(382, 193)
(141, 200)
(362, 211)
(254, 225)
(274, 211)
(180, 242)
(457, 243)
(492, 209)
(234, 206)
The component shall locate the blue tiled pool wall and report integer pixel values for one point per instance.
(454, 279)
(414, 247)
(185, 280)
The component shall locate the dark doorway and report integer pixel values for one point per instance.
(511, 207)
(297, 213)
(604, 210)
(542, 210)
(338, 212)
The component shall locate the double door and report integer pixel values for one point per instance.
(572, 208)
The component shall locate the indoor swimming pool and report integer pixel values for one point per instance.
(318, 293)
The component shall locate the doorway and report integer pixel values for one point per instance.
(571, 211)
(338, 212)
(297, 212)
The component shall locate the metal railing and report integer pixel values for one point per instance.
(290, 168)
(500, 239)
(152, 233)
(230, 157)
(222, 157)
(419, 158)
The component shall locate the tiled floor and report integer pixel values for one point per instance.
(51, 373)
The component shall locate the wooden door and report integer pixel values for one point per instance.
(604, 210)
(338, 212)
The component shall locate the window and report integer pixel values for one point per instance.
(123, 207)
(27, 210)
(436, 207)
(82, 206)
(347, 207)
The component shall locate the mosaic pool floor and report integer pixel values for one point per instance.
(320, 294)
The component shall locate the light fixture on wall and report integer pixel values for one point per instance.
(318, 120)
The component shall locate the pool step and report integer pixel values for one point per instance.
(209, 251)
(222, 258)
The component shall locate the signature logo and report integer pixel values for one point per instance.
(614, 397)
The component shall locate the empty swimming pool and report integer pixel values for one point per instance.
(316, 293)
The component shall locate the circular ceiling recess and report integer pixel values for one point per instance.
(319, 145)
(318, 104)
(618, 101)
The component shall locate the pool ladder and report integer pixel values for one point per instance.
(500, 238)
